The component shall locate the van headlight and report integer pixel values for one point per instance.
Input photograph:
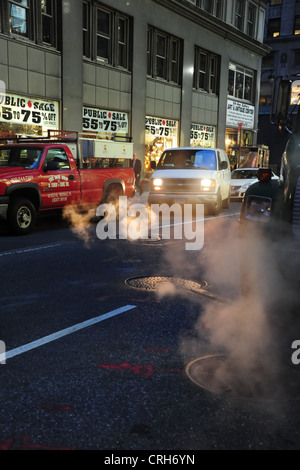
(207, 184)
(258, 208)
(157, 184)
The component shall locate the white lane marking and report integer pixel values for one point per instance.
(205, 219)
(61, 333)
(28, 250)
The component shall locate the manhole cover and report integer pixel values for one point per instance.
(220, 375)
(155, 283)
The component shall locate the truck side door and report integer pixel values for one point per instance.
(59, 179)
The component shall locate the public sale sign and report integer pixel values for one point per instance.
(18, 109)
(102, 120)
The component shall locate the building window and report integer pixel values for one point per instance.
(273, 27)
(122, 42)
(104, 35)
(19, 17)
(297, 57)
(214, 7)
(86, 29)
(48, 31)
(164, 56)
(297, 25)
(113, 38)
(251, 19)
(276, 2)
(239, 12)
(208, 5)
(219, 9)
(206, 71)
(268, 61)
(34, 20)
(241, 83)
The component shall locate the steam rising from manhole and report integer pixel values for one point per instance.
(220, 375)
(155, 283)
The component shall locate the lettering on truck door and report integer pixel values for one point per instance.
(59, 180)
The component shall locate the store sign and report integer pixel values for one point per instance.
(295, 95)
(17, 109)
(238, 112)
(157, 127)
(100, 120)
(202, 135)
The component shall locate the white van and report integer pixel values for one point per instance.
(192, 175)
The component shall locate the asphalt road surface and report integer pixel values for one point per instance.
(124, 346)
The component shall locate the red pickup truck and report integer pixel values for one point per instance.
(38, 175)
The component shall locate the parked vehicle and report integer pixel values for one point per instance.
(278, 204)
(192, 175)
(38, 175)
(241, 179)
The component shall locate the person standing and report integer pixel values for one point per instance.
(137, 168)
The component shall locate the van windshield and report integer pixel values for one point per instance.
(188, 158)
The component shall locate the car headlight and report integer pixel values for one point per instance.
(245, 186)
(258, 208)
(208, 184)
(157, 183)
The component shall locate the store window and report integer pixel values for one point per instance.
(241, 83)
(160, 134)
(206, 71)
(164, 56)
(202, 135)
(19, 17)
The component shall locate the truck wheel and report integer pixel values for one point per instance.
(21, 216)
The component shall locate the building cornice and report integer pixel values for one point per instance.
(204, 19)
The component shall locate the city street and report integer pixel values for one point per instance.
(104, 341)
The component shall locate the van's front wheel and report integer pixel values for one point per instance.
(215, 210)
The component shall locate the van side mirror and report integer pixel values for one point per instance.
(153, 164)
(224, 165)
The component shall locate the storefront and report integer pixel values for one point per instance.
(27, 116)
(160, 134)
(239, 129)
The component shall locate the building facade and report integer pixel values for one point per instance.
(282, 35)
(157, 73)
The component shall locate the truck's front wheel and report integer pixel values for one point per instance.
(21, 216)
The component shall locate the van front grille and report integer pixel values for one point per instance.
(181, 185)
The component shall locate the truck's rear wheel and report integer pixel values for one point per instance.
(21, 216)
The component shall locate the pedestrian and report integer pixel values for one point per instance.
(137, 168)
